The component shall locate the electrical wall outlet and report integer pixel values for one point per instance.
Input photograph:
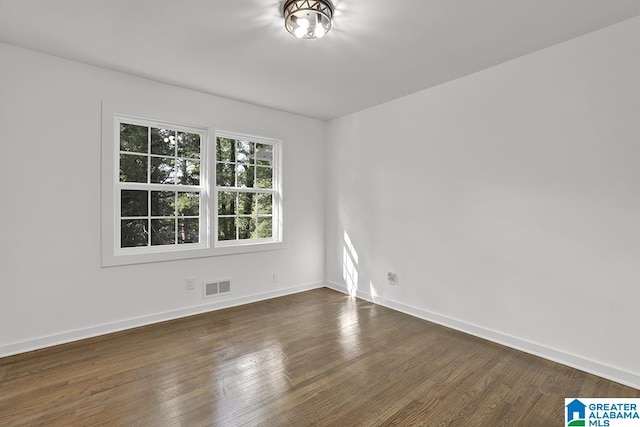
(191, 283)
(275, 277)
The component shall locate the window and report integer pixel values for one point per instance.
(247, 190)
(173, 191)
(160, 193)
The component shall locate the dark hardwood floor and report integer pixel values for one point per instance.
(315, 358)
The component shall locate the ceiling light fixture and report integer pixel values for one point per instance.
(308, 19)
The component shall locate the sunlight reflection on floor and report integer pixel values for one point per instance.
(349, 323)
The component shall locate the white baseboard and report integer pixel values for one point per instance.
(596, 368)
(94, 331)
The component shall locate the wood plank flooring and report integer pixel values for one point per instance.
(314, 358)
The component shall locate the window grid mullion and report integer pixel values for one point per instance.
(175, 210)
(246, 190)
(148, 155)
(149, 218)
(160, 187)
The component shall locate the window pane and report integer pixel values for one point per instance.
(163, 142)
(225, 175)
(134, 203)
(226, 229)
(245, 175)
(188, 230)
(163, 203)
(189, 145)
(246, 228)
(159, 191)
(244, 151)
(162, 170)
(163, 232)
(265, 228)
(265, 204)
(188, 172)
(133, 233)
(188, 204)
(264, 177)
(134, 138)
(226, 203)
(133, 168)
(264, 154)
(246, 203)
(225, 150)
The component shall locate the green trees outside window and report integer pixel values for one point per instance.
(245, 189)
(159, 186)
(165, 199)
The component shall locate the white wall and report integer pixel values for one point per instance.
(52, 286)
(508, 202)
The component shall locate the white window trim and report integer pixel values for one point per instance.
(109, 173)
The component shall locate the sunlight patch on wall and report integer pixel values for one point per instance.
(350, 265)
(373, 292)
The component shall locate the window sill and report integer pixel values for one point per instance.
(112, 260)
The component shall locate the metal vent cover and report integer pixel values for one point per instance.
(212, 289)
(224, 286)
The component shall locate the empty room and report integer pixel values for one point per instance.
(314, 212)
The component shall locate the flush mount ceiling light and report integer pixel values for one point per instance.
(308, 19)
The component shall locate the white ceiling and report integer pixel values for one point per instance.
(378, 50)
